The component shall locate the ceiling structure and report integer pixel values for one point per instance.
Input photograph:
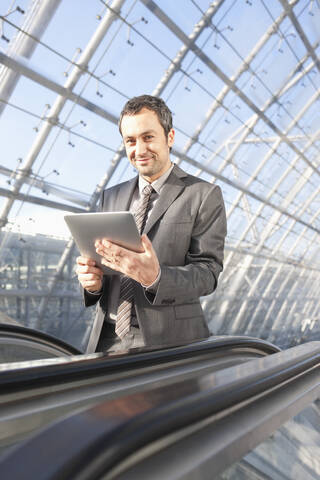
(242, 79)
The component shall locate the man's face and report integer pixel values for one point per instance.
(146, 144)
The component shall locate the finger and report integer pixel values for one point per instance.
(86, 279)
(85, 261)
(89, 276)
(146, 243)
(105, 254)
(104, 242)
(114, 254)
(90, 285)
(113, 248)
(112, 265)
(86, 269)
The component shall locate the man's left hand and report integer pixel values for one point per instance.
(143, 267)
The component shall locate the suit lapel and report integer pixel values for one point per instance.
(170, 191)
(124, 195)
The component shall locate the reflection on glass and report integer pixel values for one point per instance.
(28, 264)
(291, 453)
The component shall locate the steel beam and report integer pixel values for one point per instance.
(18, 66)
(120, 153)
(251, 123)
(33, 293)
(288, 7)
(39, 201)
(242, 310)
(55, 110)
(282, 260)
(264, 162)
(176, 63)
(244, 189)
(296, 271)
(47, 187)
(173, 67)
(293, 138)
(296, 289)
(152, 6)
(226, 88)
(248, 127)
(35, 23)
(238, 278)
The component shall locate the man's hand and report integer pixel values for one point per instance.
(143, 267)
(89, 275)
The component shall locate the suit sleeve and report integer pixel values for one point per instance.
(204, 260)
(89, 298)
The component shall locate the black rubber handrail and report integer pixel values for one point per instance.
(37, 337)
(43, 373)
(111, 431)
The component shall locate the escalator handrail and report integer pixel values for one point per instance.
(30, 334)
(36, 373)
(111, 431)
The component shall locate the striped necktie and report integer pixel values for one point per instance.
(126, 284)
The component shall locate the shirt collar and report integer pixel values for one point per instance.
(157, 184)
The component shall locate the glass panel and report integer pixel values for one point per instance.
(292, 452)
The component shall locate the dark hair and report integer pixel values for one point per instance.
(157, 105)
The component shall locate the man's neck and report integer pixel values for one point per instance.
(159, 182)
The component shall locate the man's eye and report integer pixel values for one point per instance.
(148, 137)
(130, 141)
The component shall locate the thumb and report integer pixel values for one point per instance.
(147, 245)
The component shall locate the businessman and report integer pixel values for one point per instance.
(153, 297)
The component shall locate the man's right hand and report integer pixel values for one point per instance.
(89, 275)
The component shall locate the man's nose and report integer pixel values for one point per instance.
(140, 147)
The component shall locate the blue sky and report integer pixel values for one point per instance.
(137, 69)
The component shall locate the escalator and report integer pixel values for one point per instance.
(18, 343)
(198, 429)
(33, 394)
(208, 410)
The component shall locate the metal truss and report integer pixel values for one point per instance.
(227, 88)
(228, 81)
(263, 163)
(37, 20)
(39, 201)
(259, 115)
(239, 277)
(276, 288)
(64, 92)
(53, 114)
(288, 7)
(25, 292)
(263, 271)
(47, 188)
(246, 130)
(172, 69)
(277, 322)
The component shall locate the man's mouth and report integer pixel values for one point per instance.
(143, 160)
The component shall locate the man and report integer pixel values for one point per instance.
(184, 226)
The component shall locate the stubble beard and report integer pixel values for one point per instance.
(149, 169)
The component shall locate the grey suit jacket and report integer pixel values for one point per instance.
(187, 228)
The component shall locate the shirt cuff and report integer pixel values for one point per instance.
(154, 285)
(97, 292)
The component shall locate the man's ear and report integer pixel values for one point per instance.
(171, 137)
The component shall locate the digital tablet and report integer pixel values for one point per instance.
(119, 227)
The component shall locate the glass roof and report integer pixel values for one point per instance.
(242, 79)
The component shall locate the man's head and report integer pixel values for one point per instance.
(156, 104)
(146, 127)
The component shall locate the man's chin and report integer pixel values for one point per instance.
(145, 170)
